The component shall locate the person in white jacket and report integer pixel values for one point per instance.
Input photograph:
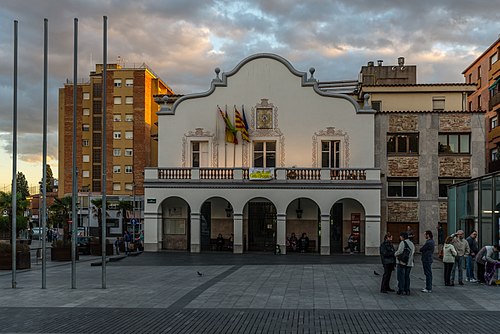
(449, 254)
(404, 269)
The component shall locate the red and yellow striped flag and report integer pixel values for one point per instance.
(240, 125)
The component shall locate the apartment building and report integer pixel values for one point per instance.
(131, 127)
(484, 72)
(426, 138)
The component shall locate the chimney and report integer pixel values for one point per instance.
(401, 61)
(379, 62)
(370, 64)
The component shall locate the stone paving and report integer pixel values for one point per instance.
(250, 293)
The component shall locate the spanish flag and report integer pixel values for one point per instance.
(230, 130)
(240, 125)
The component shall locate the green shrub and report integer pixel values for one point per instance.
(5, 247)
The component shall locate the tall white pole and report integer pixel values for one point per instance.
(14, 163)
(43, 215)
(104, 147)
(74, 178)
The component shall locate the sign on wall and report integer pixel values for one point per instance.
(261, 174)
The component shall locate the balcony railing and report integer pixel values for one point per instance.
(282, 174)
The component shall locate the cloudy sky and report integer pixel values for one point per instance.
(184, 40)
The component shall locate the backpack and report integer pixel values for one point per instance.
(405, 256)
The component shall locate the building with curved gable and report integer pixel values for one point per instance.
(307, 167)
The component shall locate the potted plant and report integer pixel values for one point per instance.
(61, 250)
(23, 257)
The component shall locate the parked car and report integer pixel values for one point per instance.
(83, 245)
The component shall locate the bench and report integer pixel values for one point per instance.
(227, 246)
(310, 249)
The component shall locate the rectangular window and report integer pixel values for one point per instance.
(96, 171)
(129, 186)
(494, 154)
(129, 82)
(118, 82)
(402, 143)
(117, 135)
(377, 105)
(117, 152)
(454, 143)
(444, 183)
(129, 117)
(97, 123)
(86, 96)
(85, 142)
(86, 158)
(117, 186)
(438, 103)
(330, 154)
(117, 117)
(493, 58)
(470, 105)
(85, 127)
(97, 107)
(129, 152)
(96, 155)
(493, 122)
(117, 100)
(96, 139)
(264, 154)
(128, 169)
(470, 78)
(402, 188)
(129, 135)
(199, 154)
(97, 90)
(117, 169)
(86, 112)
(129, 100)
(85, 173)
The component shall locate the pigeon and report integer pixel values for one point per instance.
(199, 274)
(376, 273)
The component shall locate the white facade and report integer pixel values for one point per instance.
(319, 148)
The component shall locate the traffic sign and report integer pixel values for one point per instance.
(133, 221)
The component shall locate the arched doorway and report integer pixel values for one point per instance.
(261, 225)
(176, 224)
(347, 216)
(303, 216)
(216, 218)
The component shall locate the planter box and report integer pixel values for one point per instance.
(23, 261)
(61, 254)
(95, 249)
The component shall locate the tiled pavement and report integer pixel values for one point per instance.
(250, 293)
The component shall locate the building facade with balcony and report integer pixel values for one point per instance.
(307, 166)
(485, 73)
(131, 127)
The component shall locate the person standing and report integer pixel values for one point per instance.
(427, 251)
(388, 261)
(462, 248)
(483, 257)
(404, 268)
(474, 248)
(449, 254)
(410, 233)
(304, 243)
(440, 235)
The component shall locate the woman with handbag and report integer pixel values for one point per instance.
(449, 254)
(388, 261)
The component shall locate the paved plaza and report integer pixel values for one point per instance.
(249, 293)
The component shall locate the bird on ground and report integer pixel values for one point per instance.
(199, 274)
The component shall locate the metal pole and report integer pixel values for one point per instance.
(133, 212)
(74, 176)
(14, 163)
(43, 216)
(104, 147)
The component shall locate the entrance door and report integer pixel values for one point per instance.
(261, 226)
(336, 217)
(205, 222)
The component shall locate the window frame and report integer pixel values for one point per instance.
(85, 142)
(459, 140)
(265, 153)
(129, 169)
(117, 186)
(117, 100)
(332, 151)
(441, 183)
(117, 169)
(129, 117)
(129, 82)
(86, 96)
(85, 158)
(438, 103)
(403, 187)
(86, 112)
(129, 134)
(129, 100)
(397, 137)
(117, 152)
(117, 135)
(117, 83)
(117, 117)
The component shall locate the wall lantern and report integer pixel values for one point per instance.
(299, 210)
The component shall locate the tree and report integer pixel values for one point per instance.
(22, 185)
(6, 207)
(59, 213)
(49, 180)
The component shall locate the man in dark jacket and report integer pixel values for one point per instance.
(388, 261)
(427, 250)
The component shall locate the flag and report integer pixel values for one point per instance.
(230, 130)
(240, 125)
(244, 117)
